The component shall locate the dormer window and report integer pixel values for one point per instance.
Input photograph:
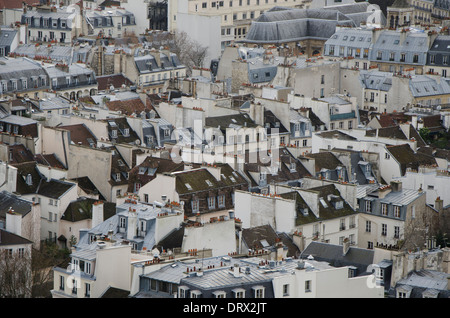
(292, 167)
(126, 132)
(29, 180)
(114, 133)
(117, 176)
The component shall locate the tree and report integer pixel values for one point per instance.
(425, 134)
(189, 52)
(15, 273)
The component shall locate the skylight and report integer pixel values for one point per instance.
(188, 186)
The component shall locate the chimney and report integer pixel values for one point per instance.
(236, 270)
(14, 222)
(396, 186)
(383, 191)
(97, 213)
(439, 204)
(131, 224)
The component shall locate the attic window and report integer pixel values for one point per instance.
(29, 180)
(209, 183)
(120, 162)
(126, 132)
(188, 186)
(142, 170)
(232, 179)
(324, 204)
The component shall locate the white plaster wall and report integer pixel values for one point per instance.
(218, 236)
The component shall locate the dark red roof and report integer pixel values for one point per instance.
(116, 80)
(79, 134)
(16, 4)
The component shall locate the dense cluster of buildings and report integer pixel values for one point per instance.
(305, 154)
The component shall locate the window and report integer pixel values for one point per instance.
(88, 290)
(368, 226)
(239, 293)
(342, 224)
(387, 156)
(61, 282)
(401, 295)
(211, 203)
(195, 205)
(396, 211)
(122, 222)
(322, 79)
(259, 292)
(368, 206)
(286, 290)
(307, 286)
(396, 232)
(74, 288)
(204, 5)
(305, 143)
(384, 209)
(415, 58)
(432, 59)
(221, 201)
(413, 212)
(370, 245)
(384, 229)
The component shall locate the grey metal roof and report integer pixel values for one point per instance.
(7, 36)
(390, 41)
(18, 120)
(426, 279)
(54, 52)
(290, 25)
(403, 197)
(219, 274)
(376, 80)
(422, 85)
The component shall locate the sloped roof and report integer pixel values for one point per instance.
(333, 254)
(325, 160)
(8, 238)
(19, 205)
(116, 80)
(407, 158)
(281, 25)
(50, 160)
(79, 133)
(81, 209)
(54, 188)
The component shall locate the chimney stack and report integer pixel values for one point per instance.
(97, 213)
(14, 222)
(396, 186)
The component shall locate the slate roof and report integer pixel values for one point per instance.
(23, 169)
(149, 168)
(361, 258)
(336, 133)
(376, 80)
(19, 205)
(254, 164)
(325, 160)
(81, 209)
(54, 188)
(228, 121)
(407, 158)
(8, 238)
(394, 132)
(86, 185)
(197, 180)
(113, 292)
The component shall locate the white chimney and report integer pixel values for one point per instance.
(236, 270)
(97, 213)
(14, 222)
(131, 224)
